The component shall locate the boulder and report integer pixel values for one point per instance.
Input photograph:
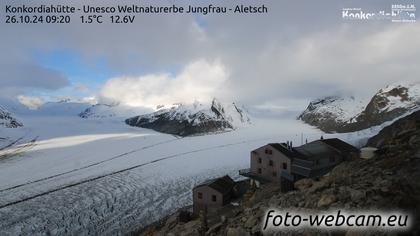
(326, 200)
(303, 184)
(236, 232)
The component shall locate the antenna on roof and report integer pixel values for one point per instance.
(306, 141)
(301, 138)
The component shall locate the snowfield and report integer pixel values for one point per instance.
(102, 177)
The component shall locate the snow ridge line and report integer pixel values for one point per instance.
(88, 166)
(127, 169)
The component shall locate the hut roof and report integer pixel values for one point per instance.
(340, 145)
(223, 184)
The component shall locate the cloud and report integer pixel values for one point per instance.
(20, 73)
(91, 100)
(344, 60)
(347, 59)
(200, 80)
(299, 50)
(30, 101)
(81, 88)
(31, 76)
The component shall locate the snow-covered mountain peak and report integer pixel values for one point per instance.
(397, 96)
(337, 114)
(339, 109)
(195, 118)
(8, 120)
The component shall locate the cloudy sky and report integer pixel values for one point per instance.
(299, 51)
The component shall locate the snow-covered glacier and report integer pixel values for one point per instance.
(103, 177)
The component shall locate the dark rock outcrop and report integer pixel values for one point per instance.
(403, 133)
(163, 122)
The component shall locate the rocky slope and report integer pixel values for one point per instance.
(7, 120)
(387, 181)
(185, 120)
(336, 114)
(103, 111)
(403, 133)
(96, 111)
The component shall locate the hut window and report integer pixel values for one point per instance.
(268, 151)
(259, 160)
(271, 163)
(259, 171)
(200, 195)
(284, 165)
(213, 198)
(275, 174)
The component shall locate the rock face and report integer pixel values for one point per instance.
(185, 120)
(336, 114)
(387, 181)
(7, 120)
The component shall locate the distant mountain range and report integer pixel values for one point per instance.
(330, 114)
(185, 120)
(347, 114)
(177, 119)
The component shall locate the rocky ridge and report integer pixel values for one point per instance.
(337, 114)
(195, 119)
(104, 111)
